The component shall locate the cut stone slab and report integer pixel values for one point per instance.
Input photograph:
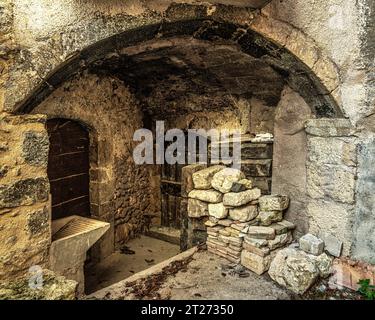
(78, 234)
(224, 179)
(217, 210)
(259, 243)
(211, 196)
(187, 177)
(297, 270)
(244, 214)
(280, 241)
(273, 203)
(239, 199)
(311, 244)
(266, 218)
(254, 262)
(225, 222)
(242, 185)
(202, 179)
(279, 228)
(263, 137)
(332, 245)
(265, 233)
(209, 223)
(197, 208)
(262, 251)
(239, 226)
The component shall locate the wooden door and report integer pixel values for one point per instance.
(68, 168)
(171, 182)
(171, 195)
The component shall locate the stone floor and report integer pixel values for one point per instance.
(119, 266)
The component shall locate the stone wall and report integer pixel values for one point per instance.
(24, 195)
(331, 179)
(120, 191)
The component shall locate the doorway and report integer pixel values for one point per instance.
(68, 168)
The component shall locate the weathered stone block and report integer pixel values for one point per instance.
(35, 148)
(38, 221)
(332, 245)
(24, 192)
(297, 270)
(225, 222)
(280, 241)
(266, 233)
(210, 224)
(54, 288)
(187, 177)
(224, 179)
(254, 262)
(217, 210)
(262, 251)
(211, 196)
(266, 218)
(294, 270)
(202, 179)
(311, 244)
(259, 243)
(329, 127)
(331, 181)
(197, 208)
(233, 199)
(273, 203)
(279, 228)
(334, 151)
(244, 214)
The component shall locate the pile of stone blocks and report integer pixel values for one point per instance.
(270, 233)
(242, 225)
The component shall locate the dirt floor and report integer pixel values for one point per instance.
(211, 277)
(203, 276)
(120, 265)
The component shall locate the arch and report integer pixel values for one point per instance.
(256, 41)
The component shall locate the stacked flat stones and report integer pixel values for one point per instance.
(242, 226)
(271, 233)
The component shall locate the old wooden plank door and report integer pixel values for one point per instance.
(171, 183)
(68, 168)
(171, 195)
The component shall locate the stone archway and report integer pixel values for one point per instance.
(278, 57)
(284, 48)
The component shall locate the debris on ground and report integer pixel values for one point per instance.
(323, 291)
(126, 250)
(149, 288)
